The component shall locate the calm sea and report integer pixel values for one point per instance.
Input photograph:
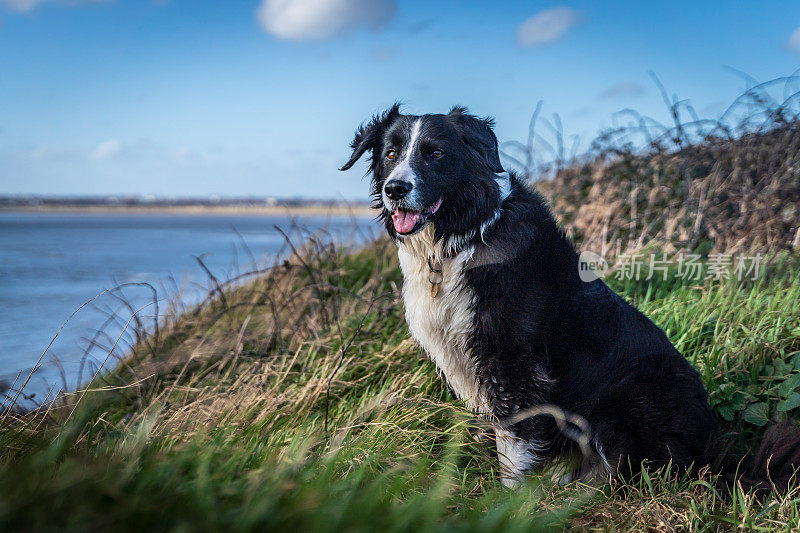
(51, 264)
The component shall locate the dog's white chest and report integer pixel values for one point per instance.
(443, 324)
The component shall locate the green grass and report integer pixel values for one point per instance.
(269, 412)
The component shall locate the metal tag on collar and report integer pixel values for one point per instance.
(435, 276)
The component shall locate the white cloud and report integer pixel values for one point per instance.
(107, 150)
(303, 20)
(22, 6)
(19, 6)
(547, 26)
(794, 41)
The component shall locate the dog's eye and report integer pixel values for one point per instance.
(436, 154)
(391, 154)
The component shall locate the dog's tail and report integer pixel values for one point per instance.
(776, 466)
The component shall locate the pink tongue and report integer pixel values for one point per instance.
(404, 221)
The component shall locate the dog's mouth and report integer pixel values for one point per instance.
(408, 222)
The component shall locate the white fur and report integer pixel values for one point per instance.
(456, 243)
(442, 325)
(403, 171)
(516, 456)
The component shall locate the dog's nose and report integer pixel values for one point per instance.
(398, 189)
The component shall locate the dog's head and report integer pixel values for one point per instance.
(432, 168)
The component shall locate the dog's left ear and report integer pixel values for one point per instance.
(478, 134)
(369, 136)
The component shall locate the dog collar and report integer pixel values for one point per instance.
(504, 182)
(482, 255)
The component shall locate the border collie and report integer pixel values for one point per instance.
(492, 293)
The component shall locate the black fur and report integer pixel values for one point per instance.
(541, 335)
(579, 346)
(470, 149)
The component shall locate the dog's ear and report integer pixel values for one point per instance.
(369, 135)
(478, 134)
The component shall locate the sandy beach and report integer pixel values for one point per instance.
(316, 210)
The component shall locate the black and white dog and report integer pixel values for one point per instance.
(492, 292)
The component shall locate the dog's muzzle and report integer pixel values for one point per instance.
(397, 189)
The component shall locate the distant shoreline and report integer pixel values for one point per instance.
(295, 210)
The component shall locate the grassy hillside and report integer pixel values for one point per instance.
(293, 398)
(726, 194)
(296, 400)
(726, 184)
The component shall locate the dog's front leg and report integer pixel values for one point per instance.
(516, 457)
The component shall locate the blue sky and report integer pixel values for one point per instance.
(261, 97)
